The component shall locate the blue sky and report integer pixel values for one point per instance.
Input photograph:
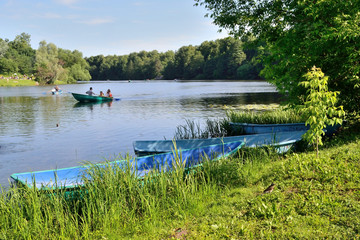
(108, 27)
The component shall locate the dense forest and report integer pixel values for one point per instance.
(227, 58)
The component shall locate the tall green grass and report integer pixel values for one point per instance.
(191, 129)
(277, 116)
(221, 127)
(113, 201)
(313, 198)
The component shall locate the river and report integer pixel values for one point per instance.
(40, 131)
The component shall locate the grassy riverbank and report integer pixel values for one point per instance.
(313, 198)
(18, 81)
(7, 82)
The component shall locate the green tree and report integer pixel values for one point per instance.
(74, 64)
(188, 62)
(319, 106)
(95, 63)
(4, 46)
(8, 66)
(299, 34)
(48, 65)
(17, 56)
(169, 71)
(222, 58)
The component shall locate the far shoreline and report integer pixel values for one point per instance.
(23, 82)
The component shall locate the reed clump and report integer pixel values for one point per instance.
(192, 130)
(221, 127)
(277, 116)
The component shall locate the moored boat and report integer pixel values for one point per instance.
(72, 178)
(251, 128)
(282, 141)
(88, 98)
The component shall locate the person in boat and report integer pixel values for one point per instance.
(90, 92)
(55, 89)
(108, 93)
(101, 94)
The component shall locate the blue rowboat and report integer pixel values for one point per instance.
(88, 98)
(72, 178)
(54, 92)
(282, 141)
(250, 128)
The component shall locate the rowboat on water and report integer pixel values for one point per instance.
(282, 141)
(88, 98)
(54, 92)
(73, 178)
(250, 128)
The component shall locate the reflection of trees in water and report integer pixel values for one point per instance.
(25, 115)
(234, 99)
(18, 114)
(52, 110)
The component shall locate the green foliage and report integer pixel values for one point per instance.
(76, 66)
(142, 65)
(17, 56)
(299, 35)
(48, 67)
(8, 66)
(4, 46)
(55, 64)
(77, 73)
(319, 106)
(48, 63)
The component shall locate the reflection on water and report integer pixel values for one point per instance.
(40, 131)
(90, 105)
(238, 99)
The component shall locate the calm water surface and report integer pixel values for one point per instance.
(39, 131)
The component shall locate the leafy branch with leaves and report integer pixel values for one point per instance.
(319, 107)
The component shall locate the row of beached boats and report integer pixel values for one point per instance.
(164, 155)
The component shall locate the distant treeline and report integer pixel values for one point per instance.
(227, 58)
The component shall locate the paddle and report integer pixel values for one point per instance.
(47, 92)
(50, 91)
